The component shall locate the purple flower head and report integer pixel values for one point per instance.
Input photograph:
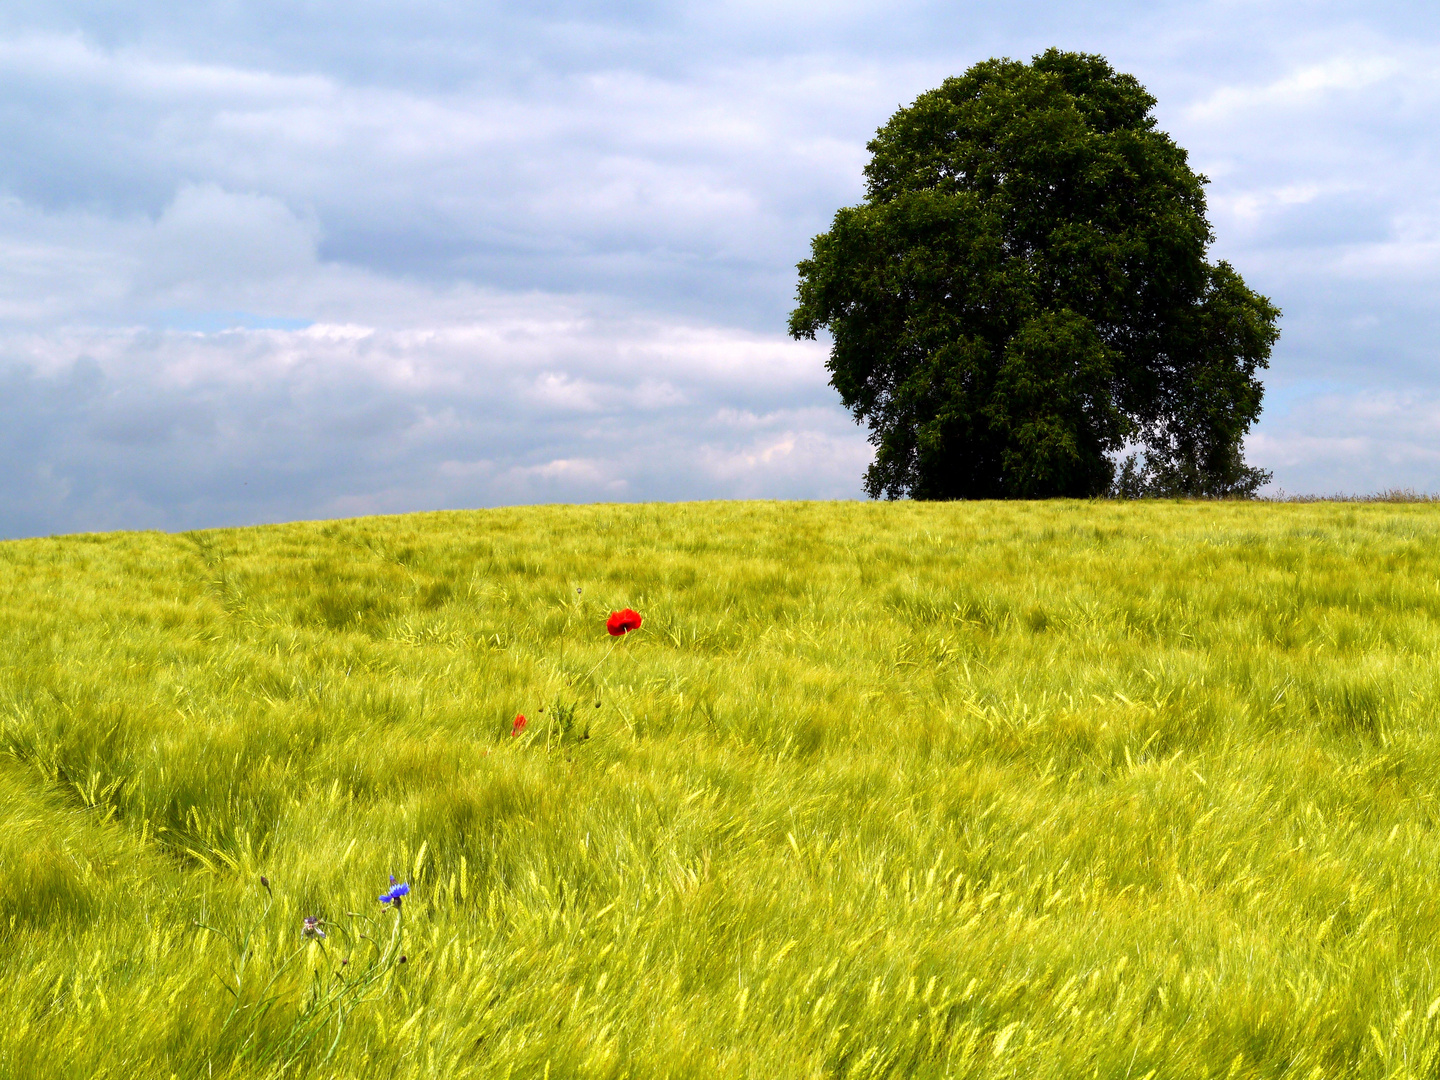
(312, 927)
(395, 893)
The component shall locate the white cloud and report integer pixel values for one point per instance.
(1303, 87)
(586, 474)
(1355, 441)
(605, 178)
(790, 448)
(276, 262)
(210, 242)
(112, 428)
(71, 58)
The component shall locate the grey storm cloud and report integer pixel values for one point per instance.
(263, 261)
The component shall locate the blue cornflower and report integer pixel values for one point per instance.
(395, 893)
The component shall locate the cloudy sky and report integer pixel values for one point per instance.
(266, 261)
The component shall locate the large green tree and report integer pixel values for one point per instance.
(1024, 293)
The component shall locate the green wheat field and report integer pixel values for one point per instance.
(1063, 789)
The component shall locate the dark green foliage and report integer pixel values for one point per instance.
(1024, 292)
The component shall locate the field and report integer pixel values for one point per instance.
(1052, 789)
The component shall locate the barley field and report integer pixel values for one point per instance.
(1061, 789)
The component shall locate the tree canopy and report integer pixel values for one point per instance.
(1024, 294)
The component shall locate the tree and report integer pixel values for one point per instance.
(1024, 293)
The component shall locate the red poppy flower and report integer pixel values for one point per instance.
(518, 726)
(622, 622)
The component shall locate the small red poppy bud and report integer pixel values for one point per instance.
(622, 622)
(519, 725)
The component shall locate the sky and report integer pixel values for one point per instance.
(270, 261)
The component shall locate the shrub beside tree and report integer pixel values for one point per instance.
(1024, 294)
